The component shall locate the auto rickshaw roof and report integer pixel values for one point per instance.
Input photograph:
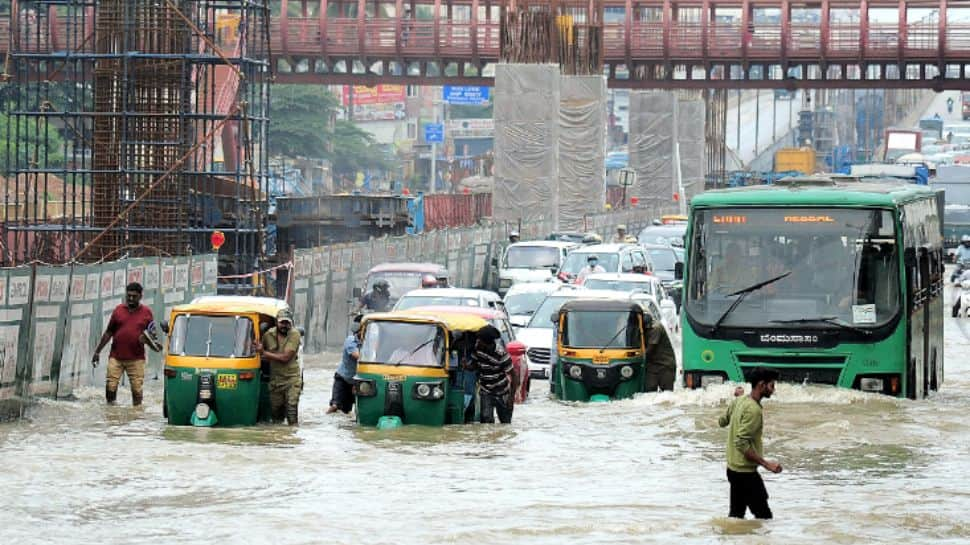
(601, 305)
(230, 304)
(482, 312)
(453, 322)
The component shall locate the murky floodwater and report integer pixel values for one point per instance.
(858, 468)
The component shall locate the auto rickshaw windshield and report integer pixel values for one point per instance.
(601, 329)
(211, 336)
(403, 343)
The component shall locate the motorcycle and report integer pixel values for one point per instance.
(962, 266)
(961, 307)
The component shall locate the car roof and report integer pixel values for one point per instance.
(652, 246)
(451, 292)
(433, 268)
(615, 247)
(599, 304)
(626, 277)
(481, 312)
(534, 287)
(545, 244)
(233, 304)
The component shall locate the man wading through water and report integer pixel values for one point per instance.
(126, 331)
(744, 448)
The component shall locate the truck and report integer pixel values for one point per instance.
(899, 142)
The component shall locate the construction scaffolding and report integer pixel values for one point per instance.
(135, 127)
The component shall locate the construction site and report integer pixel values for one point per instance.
(137, 128)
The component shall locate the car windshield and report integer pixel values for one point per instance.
(407, 302)
(523, 303)
(601, 329)
(211, 336)
(402, 343)
(542, 319)
(618, 285)
(577, 260)
(668, 235)
(400, 282)
(843, 265)
(532, 257)
(663, 260)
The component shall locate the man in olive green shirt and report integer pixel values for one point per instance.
(280, 346)
(744, 449)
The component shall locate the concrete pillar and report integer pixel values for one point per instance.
(653, 122)
(690, 135)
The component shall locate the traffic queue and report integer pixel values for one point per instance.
(591, 320)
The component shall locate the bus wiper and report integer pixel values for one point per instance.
(825, 320)
(742, 294)
(615, 335)
(416, 348)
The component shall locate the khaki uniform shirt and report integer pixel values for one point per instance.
(659, 350)
(274, 343)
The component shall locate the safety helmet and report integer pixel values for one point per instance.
(429, 281)
(965, 238)
(382, 285)
(621, 227)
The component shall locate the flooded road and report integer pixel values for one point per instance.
(858, 468)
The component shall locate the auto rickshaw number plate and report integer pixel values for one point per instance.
(226, 381)
(601, 358)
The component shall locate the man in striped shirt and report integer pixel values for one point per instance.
(496, 382)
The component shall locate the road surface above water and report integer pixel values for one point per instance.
(858, 468)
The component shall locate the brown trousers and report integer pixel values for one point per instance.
(135, 369)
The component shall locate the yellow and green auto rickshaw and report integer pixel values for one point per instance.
(213, 374)
(410, 370)
(600, 350)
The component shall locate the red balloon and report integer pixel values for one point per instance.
(218, 238)
(634, 200)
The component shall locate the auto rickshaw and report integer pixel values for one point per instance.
(600, 350)
(213, 374)
(410, 372)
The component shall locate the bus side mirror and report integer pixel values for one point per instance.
(164, 326)
(679, 270)
(357, 293)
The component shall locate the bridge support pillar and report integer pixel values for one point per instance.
(582, 149)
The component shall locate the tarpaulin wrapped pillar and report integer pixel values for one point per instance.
(526, 142)
(582, 149)
(690, 136)
(653, 122)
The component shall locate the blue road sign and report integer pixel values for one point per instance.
(434, 133)
(463, 94)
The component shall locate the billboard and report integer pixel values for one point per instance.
(378, 103)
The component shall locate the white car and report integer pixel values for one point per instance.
(534, 261)
(449, 297)
(538, 335)
(638, 284)
(522, 300)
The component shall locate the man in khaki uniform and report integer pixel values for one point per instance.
(661, 360)
(280, 346)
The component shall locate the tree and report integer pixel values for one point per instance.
(39, 145)
(300, 120)
(300, 126)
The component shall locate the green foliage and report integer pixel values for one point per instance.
(467, 111)
(38, 146)
(300, 127)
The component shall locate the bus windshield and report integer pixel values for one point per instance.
(843, 267)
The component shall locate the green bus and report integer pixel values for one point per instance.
(827, 279)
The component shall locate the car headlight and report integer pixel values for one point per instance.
(366, 388)
(711, 379)
(626, 371)
(576, 372)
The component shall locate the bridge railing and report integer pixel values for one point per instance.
(646, 39)
(805, 40)
(957, 37)
(765, 42)
(686, 39)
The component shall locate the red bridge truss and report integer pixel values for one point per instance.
(643, 44)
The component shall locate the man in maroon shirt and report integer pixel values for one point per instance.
(126, 331)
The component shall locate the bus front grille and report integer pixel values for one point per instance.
(803, 375)
(764, 359)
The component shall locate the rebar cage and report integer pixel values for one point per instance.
(135, 127)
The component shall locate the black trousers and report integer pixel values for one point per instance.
(492, 404)
(748, 492)
(342, 396)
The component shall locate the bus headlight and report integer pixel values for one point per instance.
(366, 388)
(626, 371)
(576, 372)
(871, 384)
(711, 379)
(505, 282)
